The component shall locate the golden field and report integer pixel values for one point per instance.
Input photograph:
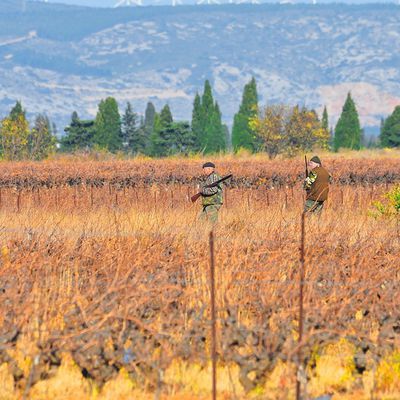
(104, 281)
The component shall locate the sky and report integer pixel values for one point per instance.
(111, 3)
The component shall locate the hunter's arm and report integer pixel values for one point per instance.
(309, 181)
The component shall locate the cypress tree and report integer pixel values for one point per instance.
(390, 133)
(212, 138)
(165, 116)
(206, 115)
(197, 123)
(108, 125)
(242, 134)
(325, 120)
(162, 122)
(149, 118)
(348, 130)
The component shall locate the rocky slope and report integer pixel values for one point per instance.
(57, 58)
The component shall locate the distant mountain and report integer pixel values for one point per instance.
(111, 3)
(58, 58)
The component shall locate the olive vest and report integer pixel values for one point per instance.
(215, 197)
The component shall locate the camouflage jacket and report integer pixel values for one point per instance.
(211, 196)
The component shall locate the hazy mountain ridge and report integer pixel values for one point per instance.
(299, 54)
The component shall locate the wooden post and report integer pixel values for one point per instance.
(91, 196)
(300, 369)
(19, 200)
(75, 195)
(213, 320)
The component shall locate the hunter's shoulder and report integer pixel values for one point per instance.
(214, 177)
(321, 170)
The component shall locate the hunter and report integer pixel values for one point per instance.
(316, 185)
(212, 198)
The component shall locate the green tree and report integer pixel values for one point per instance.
(166, 116)
(133, 136)
(242, 135)
(197, 121)
(149, 118)
(108, 126)
(79, 134)
(149, 125)
(41, 141)
(206, 117)
(17, 111)
(390, 133)
(162, 122)
(348, 130)
(215, 132)
(176, 137)
(325, 120)
(212, 138)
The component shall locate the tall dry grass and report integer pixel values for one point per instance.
(100, 285)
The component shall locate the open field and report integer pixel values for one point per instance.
(104, 285)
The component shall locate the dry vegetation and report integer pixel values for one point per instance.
(104, 285)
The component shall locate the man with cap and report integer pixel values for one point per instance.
(212, 198)
(316, 185)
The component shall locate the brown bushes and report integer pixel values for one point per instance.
(123, 285)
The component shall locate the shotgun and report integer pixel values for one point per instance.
(305, 159)
(195, 197)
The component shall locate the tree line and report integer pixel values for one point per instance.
(274, 129)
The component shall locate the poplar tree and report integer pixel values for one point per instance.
(390, 133)
(348, 130)
(14, 134)
(242, 135)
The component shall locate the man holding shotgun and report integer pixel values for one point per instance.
(211, 193)
(316, 185)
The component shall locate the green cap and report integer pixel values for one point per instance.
(316, 160)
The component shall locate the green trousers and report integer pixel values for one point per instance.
(210, 213)
(313, 206)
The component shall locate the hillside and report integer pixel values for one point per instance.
(58, 58)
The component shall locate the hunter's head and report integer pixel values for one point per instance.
(314, 162)
(208, 168)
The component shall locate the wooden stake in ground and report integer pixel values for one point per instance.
(213, 320)
(301, 309)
